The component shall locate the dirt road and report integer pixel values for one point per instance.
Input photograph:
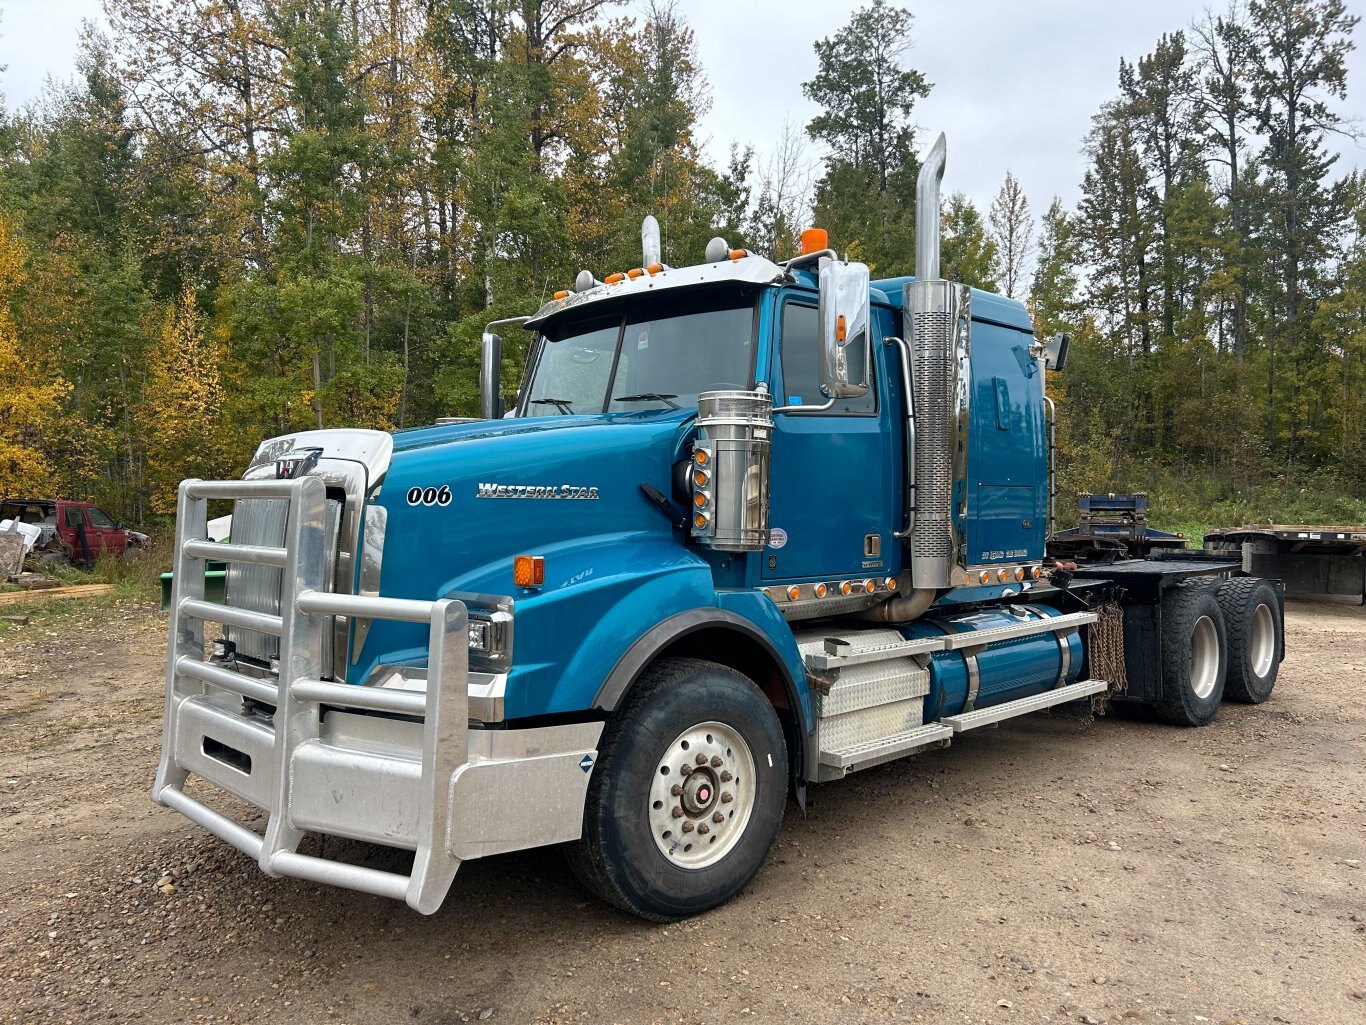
(1055, 869)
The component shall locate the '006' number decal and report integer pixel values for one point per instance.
(429, 496)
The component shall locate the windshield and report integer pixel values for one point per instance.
(655, 355)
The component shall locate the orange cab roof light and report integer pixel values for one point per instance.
(814, 240)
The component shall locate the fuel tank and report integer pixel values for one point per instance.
(1005, 670)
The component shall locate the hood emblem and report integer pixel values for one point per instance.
(573, 491)
(297, 463)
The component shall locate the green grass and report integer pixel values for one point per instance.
(136, 580)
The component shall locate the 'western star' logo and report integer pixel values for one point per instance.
(536, 491)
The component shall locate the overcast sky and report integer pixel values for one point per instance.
(1014, 85)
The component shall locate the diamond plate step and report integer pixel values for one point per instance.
(863, 756)
(1023, 706)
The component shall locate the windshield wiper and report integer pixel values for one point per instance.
(648, 396)
(561, 404)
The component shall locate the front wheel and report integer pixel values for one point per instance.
(687, 795)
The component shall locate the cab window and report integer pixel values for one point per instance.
(801, 356)
(100, 518)
(75, 516)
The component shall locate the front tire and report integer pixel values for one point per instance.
(1194, 656)
(687, 795)
(1253, 615)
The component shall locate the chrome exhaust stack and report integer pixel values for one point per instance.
(937, 315)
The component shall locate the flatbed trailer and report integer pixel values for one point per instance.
(1328, 560)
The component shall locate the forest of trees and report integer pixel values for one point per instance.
(244, 217)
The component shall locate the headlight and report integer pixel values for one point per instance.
(479, 636)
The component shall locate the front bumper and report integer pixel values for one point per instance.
(395, 767)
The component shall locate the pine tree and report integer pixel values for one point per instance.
(1012, 229)
(866, 198)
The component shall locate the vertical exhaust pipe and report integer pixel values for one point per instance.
(927, 212)
(936, 315)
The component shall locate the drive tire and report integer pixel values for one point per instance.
(1252, 614)
(679, 710)
(1194, 656)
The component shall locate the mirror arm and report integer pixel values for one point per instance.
(803, 409)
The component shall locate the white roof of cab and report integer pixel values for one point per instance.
(748, 270)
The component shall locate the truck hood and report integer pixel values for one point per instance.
(462, 499)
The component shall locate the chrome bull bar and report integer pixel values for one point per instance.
(305, 775)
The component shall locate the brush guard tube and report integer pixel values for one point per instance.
(386, 765)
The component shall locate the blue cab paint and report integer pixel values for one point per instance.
(616, 566)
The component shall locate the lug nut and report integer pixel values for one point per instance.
(718, 818)
(726, 777)
(688, 827)
(677, 790)
(704, 829)
(678, 813)
(716, 761)
(727, 797)
(701, 759)
(685, 770)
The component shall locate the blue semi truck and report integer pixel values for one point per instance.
(745, 527)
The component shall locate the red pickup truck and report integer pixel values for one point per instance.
(70, 522)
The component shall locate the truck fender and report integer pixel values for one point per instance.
(663, 635)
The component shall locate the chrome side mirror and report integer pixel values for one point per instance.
(1055, 350)
(491, 377)
(846, 341)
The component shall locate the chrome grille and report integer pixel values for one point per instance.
(262, 521)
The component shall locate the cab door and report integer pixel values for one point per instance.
(835, 476)
(108, 536)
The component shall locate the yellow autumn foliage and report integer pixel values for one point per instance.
(181, 417)
(30, 398)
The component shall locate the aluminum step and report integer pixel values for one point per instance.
(862, 756)
(1027, 628)
(1023, 706)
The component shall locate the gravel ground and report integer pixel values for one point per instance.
(1057, 869)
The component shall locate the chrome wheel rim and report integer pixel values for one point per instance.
(1262, 641)
(702, 795)
(1204, 657)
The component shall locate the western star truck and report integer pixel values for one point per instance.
(746, 527)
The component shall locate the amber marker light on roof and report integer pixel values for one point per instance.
(563, 293)
(635, 272)
(528, 570)
(814, 240)
(654, 268)
(614, 279)
(738, 254)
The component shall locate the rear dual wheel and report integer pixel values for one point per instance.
(1253, 614)
(1194, 656)
(687, 794)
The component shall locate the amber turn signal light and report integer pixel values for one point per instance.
(528, 570)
